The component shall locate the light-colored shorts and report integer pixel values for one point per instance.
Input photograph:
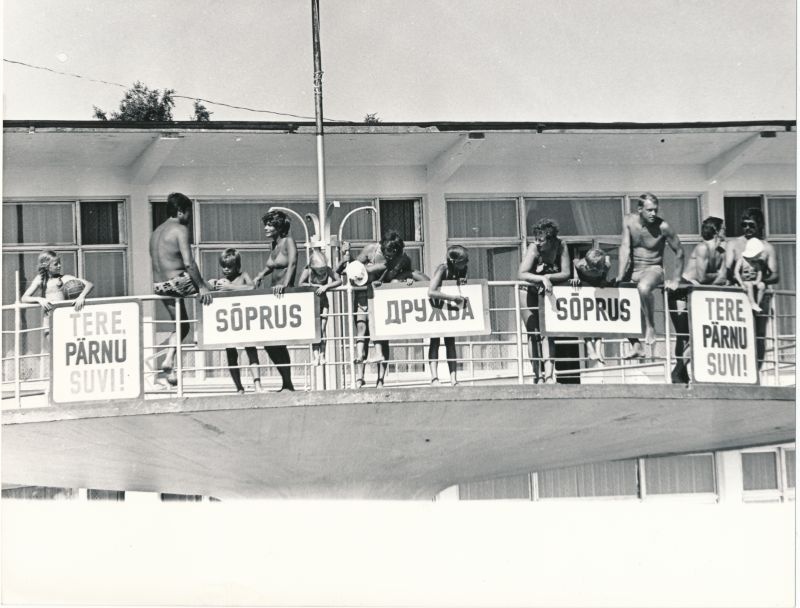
(647, 271)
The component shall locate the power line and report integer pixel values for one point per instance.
(189, 97)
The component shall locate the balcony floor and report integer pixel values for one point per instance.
(385, 444)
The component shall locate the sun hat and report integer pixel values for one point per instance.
(357, 273)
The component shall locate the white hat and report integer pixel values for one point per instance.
(753, 248)
(357, 273)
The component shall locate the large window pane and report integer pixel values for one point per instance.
(401, 215)
(505, 487)
(38, 224)
(100, 222)
(760, 471)
(617, 478)
(735, 206)
(790, 466)
(232, 222)
(482, 219)
(106, 269)
(782, 215)
(680, 474)
(577, 216)
(679, 212)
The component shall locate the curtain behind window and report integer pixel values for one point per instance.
(616, 478)
(680, 474)
(505, 487)
(760, 470)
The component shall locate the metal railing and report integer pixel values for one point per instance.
(501, 357)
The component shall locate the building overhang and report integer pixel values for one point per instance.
(382, 444)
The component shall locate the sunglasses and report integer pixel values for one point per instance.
(749, 223)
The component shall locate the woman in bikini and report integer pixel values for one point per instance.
(546, 262)
(282, 265)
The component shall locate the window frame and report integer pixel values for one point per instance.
(782, 493)
(700, 497)
(77, 246)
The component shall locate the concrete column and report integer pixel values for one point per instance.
(714, 201)
(138, 249)
(435, 225)
(729, 476)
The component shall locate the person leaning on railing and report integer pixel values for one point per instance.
(705, 266)
(752, 225)
(546, 262)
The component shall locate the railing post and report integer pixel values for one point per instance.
(351, 342)
(773, 321)
(667, 344)
(520, 355)
(17, 340)
(178, 349)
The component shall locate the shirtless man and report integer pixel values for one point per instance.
(643, 237)
(706, 266)
(753, 227)
(175, 273)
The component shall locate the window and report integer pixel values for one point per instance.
(90, 236)
(518, 487)
(681, 474)
(616, 478)
(768, 474)
(576, 216)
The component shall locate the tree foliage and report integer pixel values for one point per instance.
(141, 104)
(372, 119)
(201, 113)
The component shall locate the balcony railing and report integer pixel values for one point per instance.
(501, 357)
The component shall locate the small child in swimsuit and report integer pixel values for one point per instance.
(234, 279)
(749, 272)
(51, 282)
(592, 270)
(318, 274)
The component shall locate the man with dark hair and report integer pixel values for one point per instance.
(175, 273)
(644, 235)
(706, 266)
(753, 227)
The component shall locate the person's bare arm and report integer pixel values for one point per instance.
(87, 287)
(675, 244)
(772, 265)
(526, 269)
(305, 278)
(182, 234)
(700, 255)
(333, 281)
(624, 250)
(29, 298)
(434, 289)
(730, 263)
(737, 271)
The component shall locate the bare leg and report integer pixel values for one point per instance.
(323, 325)
(233, 367)
(647, 283)
(534, 348)
(255, 371)
(680, 321)
(549, 349)
(169, 361)
(433, 359)
(362, 345)
(452, 363)
(383, 364)
(279, 355)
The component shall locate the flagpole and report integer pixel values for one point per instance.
(323, 223)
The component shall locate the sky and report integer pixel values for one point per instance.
(415, 60)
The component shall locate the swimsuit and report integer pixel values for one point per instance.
(179, 286)
(639, 273)
(542, 267)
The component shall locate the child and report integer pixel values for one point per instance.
(749, 272)
(454, 269)
(233, 279)
(50, 281)
(592, 270)
(319, 274)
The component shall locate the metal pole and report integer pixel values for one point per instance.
(178, 354)
(351, 342)
(17, 345)
(322, 211)
(667, 345)
(775, 343)
(520, 355)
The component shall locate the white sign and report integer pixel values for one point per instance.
(723, 337)
(401, 311)
(248, 318)
(591, 311)
(96, 353)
